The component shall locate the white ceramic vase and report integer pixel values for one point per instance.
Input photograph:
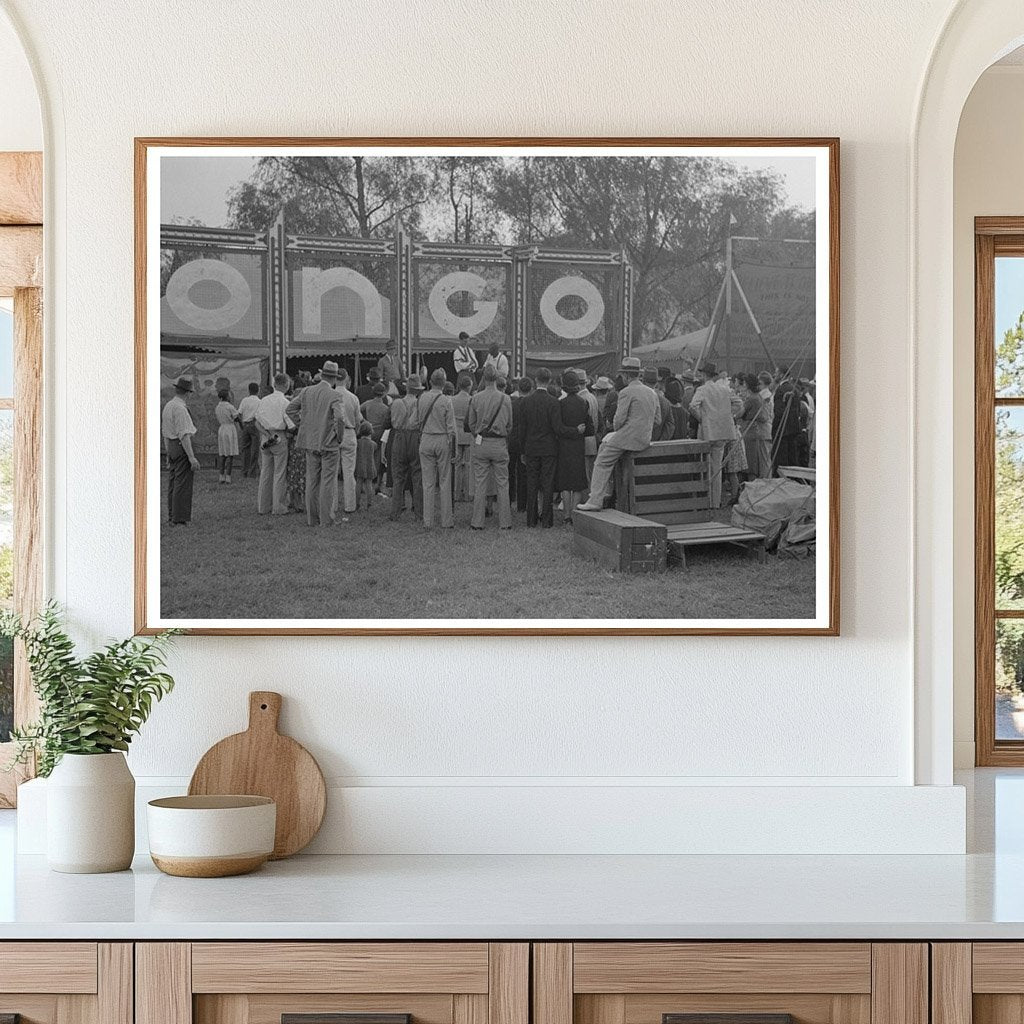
(90, 814)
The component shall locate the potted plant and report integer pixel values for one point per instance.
(89, 710)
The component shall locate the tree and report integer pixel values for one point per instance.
(670, 216)
(362, 197)
(466, 184)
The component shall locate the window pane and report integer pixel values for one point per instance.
(1009, 679)
(6, 354)
(1009, 316)
(1009, 482)
(6, 567)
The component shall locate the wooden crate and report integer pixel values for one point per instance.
(669, 482)
(620, 541)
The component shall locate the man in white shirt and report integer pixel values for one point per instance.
(250, 433)
(711, 405)
(177, 430)
(497, 359)
(464, 357)
(272, 423)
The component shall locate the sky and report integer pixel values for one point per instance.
(197, 186)
(1009, 292)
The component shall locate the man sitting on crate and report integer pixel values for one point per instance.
(637, 414)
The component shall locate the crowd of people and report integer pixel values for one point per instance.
(326, 448)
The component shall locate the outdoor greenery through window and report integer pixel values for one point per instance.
(1009, 496)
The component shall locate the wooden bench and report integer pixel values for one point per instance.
(620, 541)
(685, 535)
(802, 474)
(670, 482)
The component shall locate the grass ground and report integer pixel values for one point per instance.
(244, 566)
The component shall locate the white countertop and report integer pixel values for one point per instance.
(516, 897)
(978, 896)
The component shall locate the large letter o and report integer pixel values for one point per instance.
(220, 318)
(451, 284)
(560, 325)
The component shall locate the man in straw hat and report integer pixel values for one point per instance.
(437, 439)
(637, 413)
(320, 410)
(405, 449)
(177, 429)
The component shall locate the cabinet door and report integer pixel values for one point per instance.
(65, 983)
(981, 982)
(332, 983)
(730, 983)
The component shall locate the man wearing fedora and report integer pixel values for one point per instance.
(637, 414)
(319, 411)
(391, 368)
(177, 429)
(404, 459)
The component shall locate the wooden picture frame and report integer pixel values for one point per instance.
(825, 621)
(993, 237)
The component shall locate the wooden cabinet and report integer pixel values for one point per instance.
(66, 982)
(307, 982)
(753, 982)
(978, 983)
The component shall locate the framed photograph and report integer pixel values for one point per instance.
(487, 386)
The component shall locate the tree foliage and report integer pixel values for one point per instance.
(669, 215)
(90, 705)
(1009, 473)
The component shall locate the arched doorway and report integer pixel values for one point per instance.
(976, 34)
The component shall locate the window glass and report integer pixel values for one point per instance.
(1009, 323)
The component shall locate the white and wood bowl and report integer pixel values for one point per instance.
(211, 836)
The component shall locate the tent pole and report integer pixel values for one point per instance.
(712, 326)
(753, 320)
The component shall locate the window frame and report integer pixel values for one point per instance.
(993, 237)
(21, 278)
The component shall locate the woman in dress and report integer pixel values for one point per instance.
(295, 475)
(227, 434)
(571, 472)
(734, 462)
(755, 428)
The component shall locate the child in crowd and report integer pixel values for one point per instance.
(227, 435)
(366, 466)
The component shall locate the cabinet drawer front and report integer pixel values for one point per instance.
(58, 967)
(339, 967)
(998, 967)
(636, 967)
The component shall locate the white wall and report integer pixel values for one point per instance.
(987, 181)
(432, 716)
(21, 126)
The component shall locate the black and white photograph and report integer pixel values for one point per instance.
(400, 386)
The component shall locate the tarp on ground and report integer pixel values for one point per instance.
(767, 506)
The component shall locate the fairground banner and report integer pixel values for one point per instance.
(782, 301)
(209, 375)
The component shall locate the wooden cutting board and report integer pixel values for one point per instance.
(262, 762)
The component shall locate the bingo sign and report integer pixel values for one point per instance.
(572, 309)
(452, 297)
(218, 298)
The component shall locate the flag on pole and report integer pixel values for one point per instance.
(732, 220)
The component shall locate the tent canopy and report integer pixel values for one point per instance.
(679, 353)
